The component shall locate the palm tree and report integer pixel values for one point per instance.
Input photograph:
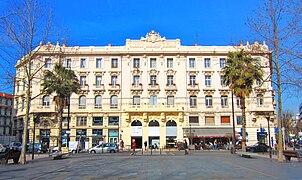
(62, 83)
(240, 73)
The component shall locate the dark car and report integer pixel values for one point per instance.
(298, 144)
(258, 147)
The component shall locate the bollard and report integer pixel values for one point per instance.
(160, 151)
(151, 151)
(142, 151)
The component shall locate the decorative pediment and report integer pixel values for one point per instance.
(137, 92)
(154, 92)
(256, 47)
(153, 37)
(193, 92)
(98, 92)
(99, 73)
(192, 71)
(83, 91)
(136, 71)
(170, 72)
(83, 73)
(171, 91)
(260, 90)
(114, 91)
(153, 72)
(114, 73)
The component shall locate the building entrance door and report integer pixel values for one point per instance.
(113, 140)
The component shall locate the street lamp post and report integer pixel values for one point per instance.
(267, 116)
(68, 119)
(34, 136)
(233, 120)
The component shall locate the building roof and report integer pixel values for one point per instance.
(6, 95)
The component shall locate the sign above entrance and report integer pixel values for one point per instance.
(136, 131)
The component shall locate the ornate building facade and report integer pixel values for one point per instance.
(6, 117)
(152, 89)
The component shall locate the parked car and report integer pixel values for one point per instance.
(73, 147)
(258, 147)
(298, 144)
(18, 145)
(2, 148)
(37, 148)
(103, 148)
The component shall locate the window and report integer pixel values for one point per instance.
(258, 82)
(225, 119)
(170, 100)
(81, 121)
(224, 101)
(97, 121)
(193, 119)
(113, 81)
(46, 101)
(113, 101)
(210, 120)
(208, 101)
(67, 63)
(83, 63)
(170, 63)
(48, 63)
(207, 80)
(98, 102)
(98, 81)
(113, 121)
(136, 100)
(238, 102)
(207, 63)
(153, 100)
(192, 80)
(222, 62)
(82, 102)
(152, 63)
(239, 120)
(223, 84)
(260, 100)
(136, 81)
(114, 63)
(191, 62)
(193, 101)
(23, 104)
(82, 81)
(170, 80)
(153, 80)
(98, 63)
(79, 133)
(136, 63)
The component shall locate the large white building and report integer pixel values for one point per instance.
(152, 89)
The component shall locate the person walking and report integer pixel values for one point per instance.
(145, 144)
(186, 147)
(133, 146)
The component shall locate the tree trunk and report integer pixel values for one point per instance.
(243, 125)
(25, 122)
(60, 113)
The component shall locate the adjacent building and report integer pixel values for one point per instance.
(152, 89)
(6, 118)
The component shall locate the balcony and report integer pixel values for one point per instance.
(84, 89)
(171, 88)
(193, 88)
(136, 88)
(98, 88)
(154, 87)
(114, 88)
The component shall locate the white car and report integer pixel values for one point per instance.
(104, 148)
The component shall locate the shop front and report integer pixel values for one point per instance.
(137, 133)
(171, 133)
(153, 134)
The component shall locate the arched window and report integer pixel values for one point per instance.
(153, 123)
(46, 101)
(171, 123)
(98, 102)
(136, 123)
(260, 100)
(193, 101)
(113, 101)
(82, 102)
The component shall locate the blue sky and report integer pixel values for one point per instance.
(210, 22)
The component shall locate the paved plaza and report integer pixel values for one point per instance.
(168, 165)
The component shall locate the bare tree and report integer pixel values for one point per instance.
(278, 22)
(25, 26)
